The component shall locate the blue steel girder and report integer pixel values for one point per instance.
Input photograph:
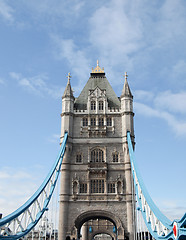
(25, 218)
(157, 223)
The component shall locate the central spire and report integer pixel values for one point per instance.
(97, 69)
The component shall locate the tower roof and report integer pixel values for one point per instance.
(126, 89)
(97, 79)
(68, 90)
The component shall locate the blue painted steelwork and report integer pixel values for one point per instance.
(158, 224)
(49, 182)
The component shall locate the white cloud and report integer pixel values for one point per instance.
(54, 13)
(6, 11)
(173, 209)
(164, 105)
(116, 31)
(2, 81)
(172, 102)
(143, 95)
(171, 23)
(79, 63)
(16, 187)
(178, 126)
(55, 138)
(38, 85)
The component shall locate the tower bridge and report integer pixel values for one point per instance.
(102, 195)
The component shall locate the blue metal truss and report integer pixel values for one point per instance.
(25, 218)
(159, 226)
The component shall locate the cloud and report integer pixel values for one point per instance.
(77, 59)
(143, 95)
(171, 23)
(173, 209)
(172, 102)
(2, 82)
(38, 85)
(6, 12)
(16, 187)
(55, 138)
(7, 174)
(167, 106)
(116, 32)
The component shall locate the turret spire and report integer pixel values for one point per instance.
(126, 76)
(68, 90)
(126, 89)
(69, 77)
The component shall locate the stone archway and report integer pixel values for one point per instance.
(99, 214)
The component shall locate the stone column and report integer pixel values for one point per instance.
(129, 195)
(85, 231)
(64, 196)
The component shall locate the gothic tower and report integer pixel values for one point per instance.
(96, 196)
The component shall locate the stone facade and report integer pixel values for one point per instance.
(96, 183)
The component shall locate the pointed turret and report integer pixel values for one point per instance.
(128, 125)
(68, 90)
(67, 110)
(126, 89)
(127, 108)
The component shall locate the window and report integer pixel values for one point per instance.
(111, 188)
(78, 158)
(109, 121)
(101, 121)
(100, 105)
(93, 122)
(115, 157)
(83, 188)
(93, 105)
(97, 186)
(97, 155)
(85, 122)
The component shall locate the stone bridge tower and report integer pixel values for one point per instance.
(96, 196)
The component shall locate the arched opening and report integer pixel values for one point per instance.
(93, 223)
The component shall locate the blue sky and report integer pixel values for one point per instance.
(41, 41)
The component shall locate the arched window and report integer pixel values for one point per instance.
(97, 155)
(85, 122)
(97, 186)
(93, 105)
(83, 188)
(101, 121)
(78, 157)
(111, 188)
(115, 157)
(100, 105)
(109, 121)
(93, 122)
